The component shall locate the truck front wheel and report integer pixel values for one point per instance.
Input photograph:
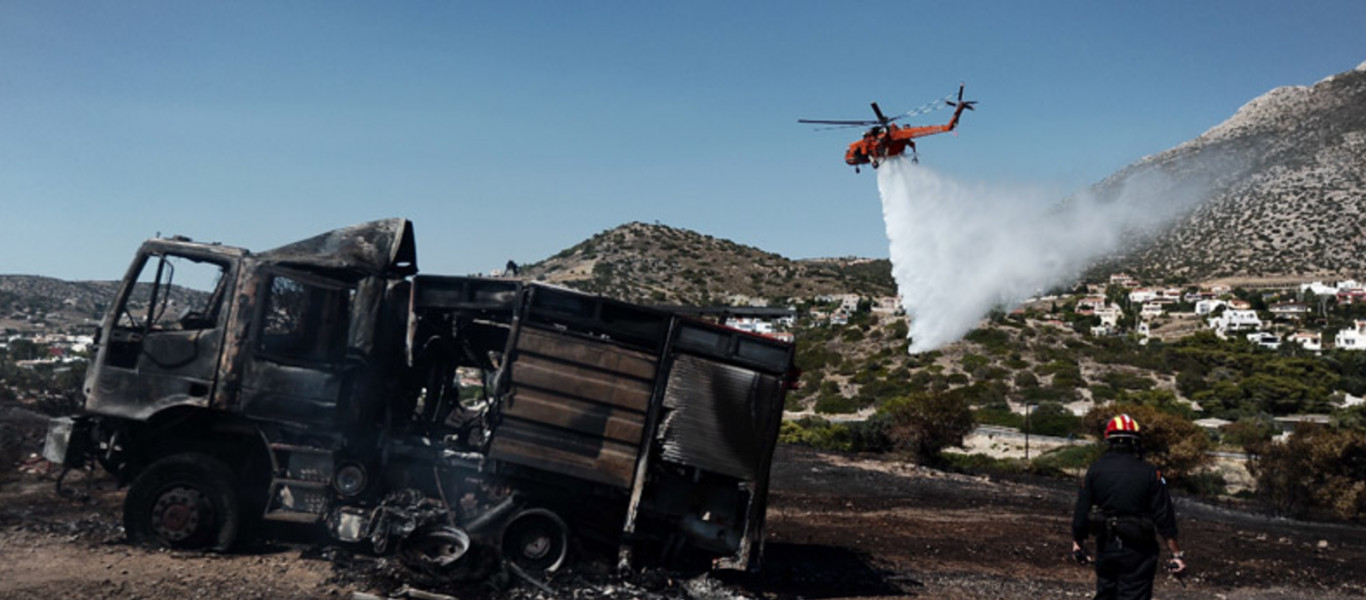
(183, 501)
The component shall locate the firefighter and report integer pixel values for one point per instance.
(1123, 502)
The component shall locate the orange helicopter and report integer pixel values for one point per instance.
(886, 139)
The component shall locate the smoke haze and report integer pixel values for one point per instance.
(958, 250)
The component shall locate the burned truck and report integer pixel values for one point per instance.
(327, 382)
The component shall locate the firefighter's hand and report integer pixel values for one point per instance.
(1176, 566)
(1079, 554)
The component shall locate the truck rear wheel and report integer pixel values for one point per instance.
(536, 540)
(183, 501)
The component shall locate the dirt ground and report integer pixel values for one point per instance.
(838, 527)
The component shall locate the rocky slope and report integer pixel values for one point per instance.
(658, 264)
(1286, 193)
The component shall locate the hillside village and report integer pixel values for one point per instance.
(1274, 316)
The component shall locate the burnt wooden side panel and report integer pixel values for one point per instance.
(576, 381)
(588, 353)
(589, 418)
(575, 406)
(565, 452)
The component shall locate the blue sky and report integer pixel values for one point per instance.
(516, 129)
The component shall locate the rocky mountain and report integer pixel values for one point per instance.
(1286, 189)
(30, 302)
(658, 264)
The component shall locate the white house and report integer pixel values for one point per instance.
(1288, 310)
(1091, 303)
(1236, 320)
(1109, 315)
(751, 325)
(1265, 340)
(887, 305)
(1123, 279)
(1309, 340)
(1352, 338)
(1142, 295)
(1212, 423)
(1151, 309)
(1319, 288)
(1205, 307)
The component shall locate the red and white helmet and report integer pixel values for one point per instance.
(1121, 426)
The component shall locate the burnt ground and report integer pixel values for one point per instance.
(839, 527)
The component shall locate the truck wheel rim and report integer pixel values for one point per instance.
(178, 513)
(536, 546)
(536, 540)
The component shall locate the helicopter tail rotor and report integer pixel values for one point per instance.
(965, 104)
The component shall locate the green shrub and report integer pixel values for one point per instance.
(1250, 432)
(814, 432)
(996, 341)
(1317, 467)
(982, 393)
(1209, 484)
(1103, 393)
(1052, 393)
(998, 414)
(871, 435)
(1128, 381)
(1052, 419)
(927, 422)
(982, 463)
(836, 404)
(972, 361)
(1071, 458)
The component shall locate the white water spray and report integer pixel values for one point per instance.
(959, 251)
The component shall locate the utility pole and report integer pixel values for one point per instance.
(1027, 409)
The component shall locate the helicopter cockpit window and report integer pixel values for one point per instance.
(174, 293)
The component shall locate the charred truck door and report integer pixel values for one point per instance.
(161, 344)
(294, 365)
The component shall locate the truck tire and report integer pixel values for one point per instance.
(183, 501)
(537, 540)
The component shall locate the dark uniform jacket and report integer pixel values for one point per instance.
(1125, 486)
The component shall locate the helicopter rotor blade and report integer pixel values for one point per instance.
(837, 122)
(881, 118)
(840, 127)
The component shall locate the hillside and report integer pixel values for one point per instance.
(658, 264)
(1287, 181)
(29, 302)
